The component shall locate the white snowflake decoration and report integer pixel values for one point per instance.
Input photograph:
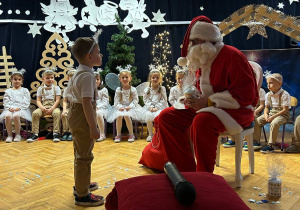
(201, 8)
(34, 29)
(280, 5)
(159, 17)
(136, 16)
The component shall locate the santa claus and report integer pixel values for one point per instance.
(228, 90)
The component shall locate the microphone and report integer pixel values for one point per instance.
(184, 191)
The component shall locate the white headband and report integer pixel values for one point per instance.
(95, 38)
(50, 69)
(98, 71)
(125, 69)
(267, 74)
(153, 68)
(16, 71)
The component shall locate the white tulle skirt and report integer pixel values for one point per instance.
(24, 113)
(149, 116)
(133, 113)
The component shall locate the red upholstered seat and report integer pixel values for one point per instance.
(155, 192)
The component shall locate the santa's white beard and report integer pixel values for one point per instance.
(200, 55)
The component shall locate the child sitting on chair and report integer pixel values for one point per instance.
(102, 105)
(16, 103)
(177, 91)
(47, 99)
(125, 104)
(276, 111)
(155, 99)
(67, 136)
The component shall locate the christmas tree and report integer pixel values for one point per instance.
(120, 53)
(160, 52)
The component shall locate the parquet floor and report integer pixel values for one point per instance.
(40, 175)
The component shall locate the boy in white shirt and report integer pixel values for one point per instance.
(47, 100)
(82, 118)
(276, 112)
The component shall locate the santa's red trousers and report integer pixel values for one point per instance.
(175, 129)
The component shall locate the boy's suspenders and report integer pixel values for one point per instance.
(43, 92)
(270, 101)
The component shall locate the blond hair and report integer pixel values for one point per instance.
(121, 86)
(276, 76)
(159, 83)
(81, 47)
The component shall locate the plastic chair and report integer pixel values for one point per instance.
(294, 103)
(238, 138)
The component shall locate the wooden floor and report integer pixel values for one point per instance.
(39, 175)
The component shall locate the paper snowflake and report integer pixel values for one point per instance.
(201, 8)
(280, 5)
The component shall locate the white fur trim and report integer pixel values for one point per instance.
(206, 31)
(230, 124)
(182, 61)
(224, 100)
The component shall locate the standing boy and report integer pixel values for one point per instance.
(83, 91)
(47, 100)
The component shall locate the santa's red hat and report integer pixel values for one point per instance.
(201, 27)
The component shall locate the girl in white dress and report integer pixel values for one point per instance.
(155, 100)
(102, 106)
(16, 103)
(177, 91)
(125, 104)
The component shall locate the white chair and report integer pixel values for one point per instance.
(238, 138)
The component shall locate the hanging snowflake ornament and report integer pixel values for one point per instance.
(201, 8)
(34, 29)
(158, 16)
(280, 5)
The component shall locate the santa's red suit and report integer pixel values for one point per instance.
(229, 82)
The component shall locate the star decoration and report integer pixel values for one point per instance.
(54, 25)
(159, 17)
(257, 28)
(62, 27)
(70, 43)
(291, 1)
(86, 14)
(201, 8)
(34, 29)
(280, 5)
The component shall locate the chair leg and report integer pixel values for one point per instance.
(114, 129)
(105, 127)
(135, 128)
(142, 130)
(263, 128)
(249, 139)
(3, 129)
(218, 153)
(238, 156)
(282, 141)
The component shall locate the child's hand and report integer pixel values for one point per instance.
(127, 108)
(94, 133)
(153, 109)
(121, 109)
(64, 113)
(255, 113)
(266, 117)
(11, 109)
(270, 119)
(49, 111)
